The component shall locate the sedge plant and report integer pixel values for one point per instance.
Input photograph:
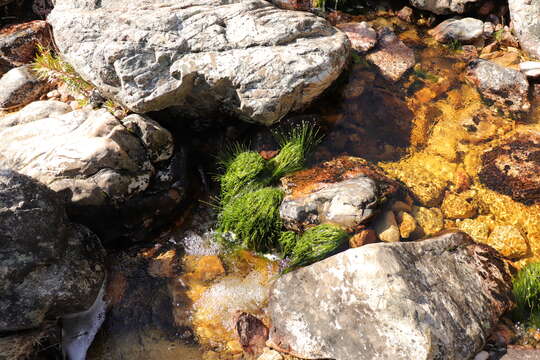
(526, 289)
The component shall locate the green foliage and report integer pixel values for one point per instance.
(50, 67)
(527, 293)
(287, 240)
(424, 74)
(498, 35)
(295, 147)
(317, 244)
(454, 45)
(320, 4)
(244, 173)
(251, 220)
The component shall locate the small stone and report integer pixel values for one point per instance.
(407, 224)
(269, 354)
(530, 68)
(362, 36)
(457, 207)
(19, 87)
(430, 220)
(364, 237)
(74, 105)
(391, 56)
(507, 240)
(506, 87)
(53, 94)
(483, 355)
(386, 227)
(252, 333)
(406, 14)
(465, 30)
(476, 229)
(18, 43)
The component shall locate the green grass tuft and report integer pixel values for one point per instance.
(527, 293)
(251, 220)
(317, 244)
(287, 240)
(296, 145)
(244, 173)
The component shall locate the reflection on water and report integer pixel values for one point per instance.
(178, 300)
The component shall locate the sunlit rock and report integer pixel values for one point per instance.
(458, 206)
(391, 56)
(346, 191)
(437, 298)
(243, 57)
(386, 227)
(526, 24)
(508, 241)
(442, 7)
(19, 87)
(429, 220)
(18, 42)
(476, 228)
(362, 36)
(465, 30)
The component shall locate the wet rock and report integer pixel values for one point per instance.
(362, 36)
(465, 30)
(526, 24)
(442, 7)
(49, 267)
(346, 191)
(363, 237)
(507, 88)
(407, 224)
(252, 333)
(246, 58)
(270, 354)
(122, 176)
(386, 227)
(430, 221)
(456, 206)
(19, 87)
(530, 68)
(391, 56)
(513, 168)
(437, 298)
(406, 14)
(508, 240)
(475, 228)
(18, 43)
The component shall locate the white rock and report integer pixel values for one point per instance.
(530, 68)
(387, 228)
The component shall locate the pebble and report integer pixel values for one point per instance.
(386, 227)
(407, 224)
(364, 237)
(483, 355)
(530, 68)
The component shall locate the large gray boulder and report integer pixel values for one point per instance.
(49, 267)
(525, 15)
(434, 299)
(443, 7)
(244, 57)
(107, 165)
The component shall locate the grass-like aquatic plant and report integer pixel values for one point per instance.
(243, 173)
(295, 146)
(287, 241)
(317, 244)
(251, 220)
(527, 294)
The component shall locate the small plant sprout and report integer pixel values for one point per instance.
(527, 294)
(317, 244)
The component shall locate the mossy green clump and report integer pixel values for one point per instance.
(251, 220)
(527, 294)
(287, 240)
(295, 146)
(317, 244)
(243, 173)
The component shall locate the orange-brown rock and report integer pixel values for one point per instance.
(18, 42)
(364, 237)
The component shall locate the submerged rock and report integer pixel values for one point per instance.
(391, 56)
(442, 7)
(244, 57)
(525, 15)
(18, 42)
(362, 36)
(465, 30)
(507, 88)
(19, 87)
(346, 191)
(513, 168)
(438, 298)
(49, 267)
(118, 172)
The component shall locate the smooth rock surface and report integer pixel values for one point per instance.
(525, 15)
(386, 227)
(346, 191)
(362, 36)
(18, 42)
(244, 57)
(19, 87)
(442, 7)
(530, 68)
(507, 88)
(49, 267)
(465, 30)
(434, 299)
(391, 56)
(119, 173)
(513, 168)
